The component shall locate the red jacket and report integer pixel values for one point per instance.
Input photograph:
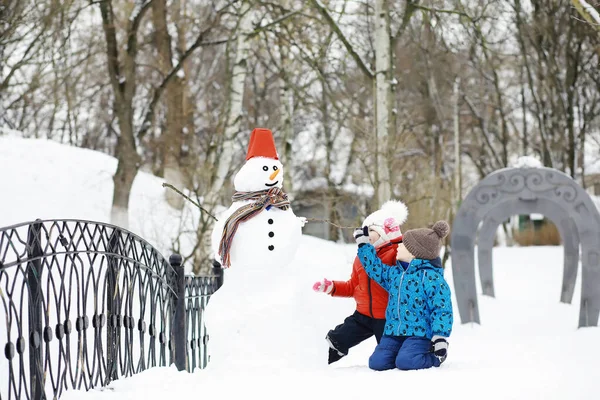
(371, 299)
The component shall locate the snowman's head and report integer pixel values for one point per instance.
(259, 173)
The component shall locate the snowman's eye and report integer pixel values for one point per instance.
(275, 168)
(265, 168)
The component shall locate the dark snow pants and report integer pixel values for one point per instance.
(354, 330)
(403, 352)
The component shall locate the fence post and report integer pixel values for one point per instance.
(112, 357)
(178, 328)
(34, 277)
(218, 271)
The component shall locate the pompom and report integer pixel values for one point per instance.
(396, 209)
(390, 209)
(441, 228)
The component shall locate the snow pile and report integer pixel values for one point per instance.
(527, 162)
(47, 180)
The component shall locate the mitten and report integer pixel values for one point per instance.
(361, 235)
(439, 347)
(326, 286)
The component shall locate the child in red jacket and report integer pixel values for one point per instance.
(371, 299)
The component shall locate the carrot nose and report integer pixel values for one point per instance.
(274, 174)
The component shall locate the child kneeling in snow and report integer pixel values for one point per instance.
(419, 312)
(383, 233)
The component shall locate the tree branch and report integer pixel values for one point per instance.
(483, 127)
(335, 27)
(253, 33)
(589, 13)
(179, 192)
(409, 11)
(330, 223)
(21, 62)
(199, 42)
(134, 24)
(259, 29)
(442, 11)
(170, 76)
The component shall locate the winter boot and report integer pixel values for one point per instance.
(334, 354)
(442, 358)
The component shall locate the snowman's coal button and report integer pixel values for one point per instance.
(271, 247)
(271, 234)
(270, 221)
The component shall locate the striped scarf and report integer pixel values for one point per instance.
(273, 197)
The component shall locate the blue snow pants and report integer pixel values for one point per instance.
(403, 352)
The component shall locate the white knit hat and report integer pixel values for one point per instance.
(387, 220)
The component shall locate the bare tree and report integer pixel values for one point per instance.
(174, 98)
(25, 28)
(122, 69)
(223, 159)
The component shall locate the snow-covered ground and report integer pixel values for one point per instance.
(528, 345)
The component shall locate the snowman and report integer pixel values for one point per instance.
(254, 240)
(259, 229)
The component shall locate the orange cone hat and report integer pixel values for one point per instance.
(261, 144)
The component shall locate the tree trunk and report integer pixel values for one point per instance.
(123, 81)
(329, 150)
(522, 35)
(334, 232)
(171, 137)
(127, 168)
(236, 98)
(525, 137)
(203, 252)
(581, 158)
(286, 104)
(188, 101)
(572, 74)
(457, 152)
(382, 77)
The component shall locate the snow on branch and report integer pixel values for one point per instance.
(588, 12)
(135, 13)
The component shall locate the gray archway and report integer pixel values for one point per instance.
(526, 186)
(564, 224)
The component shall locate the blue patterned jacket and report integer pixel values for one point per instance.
(420, 303)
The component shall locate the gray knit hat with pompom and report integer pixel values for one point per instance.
(425, 243)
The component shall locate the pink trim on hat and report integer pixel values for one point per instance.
(390, 225)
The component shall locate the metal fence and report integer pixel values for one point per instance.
(85, 303)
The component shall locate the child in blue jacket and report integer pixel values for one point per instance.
(419, 312)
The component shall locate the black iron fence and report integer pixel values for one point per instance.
(85, 303)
